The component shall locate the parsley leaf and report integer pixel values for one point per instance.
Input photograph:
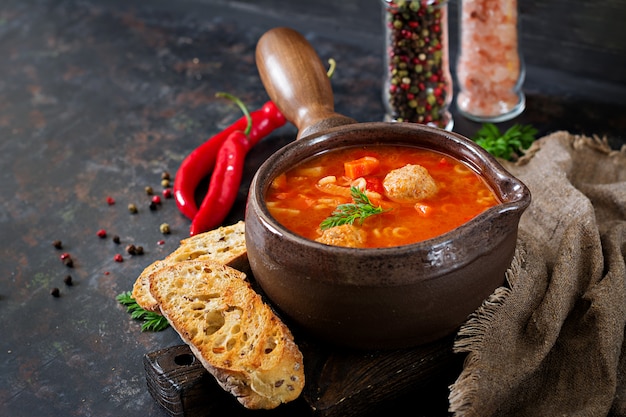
(151, 321)
(507, 145)
(350, 212)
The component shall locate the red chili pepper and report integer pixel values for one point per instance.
(202, 160)
(227, 174)
(224, 184)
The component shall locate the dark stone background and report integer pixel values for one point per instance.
(99, 97)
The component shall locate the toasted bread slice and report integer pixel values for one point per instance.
(225, 245)
(235, 335)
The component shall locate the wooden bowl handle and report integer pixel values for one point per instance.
(296, 81)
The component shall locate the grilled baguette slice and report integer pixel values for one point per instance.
(236, 336)
(225, 244)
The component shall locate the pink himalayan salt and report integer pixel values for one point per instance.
(488, 68)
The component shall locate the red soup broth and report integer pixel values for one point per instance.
(301, 198)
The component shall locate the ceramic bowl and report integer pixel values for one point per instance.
(384, 297)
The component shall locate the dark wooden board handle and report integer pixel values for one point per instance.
(340, 383)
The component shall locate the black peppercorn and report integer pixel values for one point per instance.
(131, 249)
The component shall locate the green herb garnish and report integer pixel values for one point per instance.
(507, 145)
(151, 321)
(348, 213)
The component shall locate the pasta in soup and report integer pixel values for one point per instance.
(377, 196)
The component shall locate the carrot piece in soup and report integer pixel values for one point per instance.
(361, 167)
(423, 209)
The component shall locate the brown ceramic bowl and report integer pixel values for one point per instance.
(373, 298)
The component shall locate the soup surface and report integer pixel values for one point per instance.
(414, 194)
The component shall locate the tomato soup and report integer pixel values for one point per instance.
(413, 194)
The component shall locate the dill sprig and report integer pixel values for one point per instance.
(507, 145)
(348, 213)
(151, 321)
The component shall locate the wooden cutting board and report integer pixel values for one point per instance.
(339, 382)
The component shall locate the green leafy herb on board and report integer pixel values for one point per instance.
(151, 321)
(361, 209)
(508, 145)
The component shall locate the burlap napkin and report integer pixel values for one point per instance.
(551, 343)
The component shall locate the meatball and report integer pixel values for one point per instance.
(409, 184)
(346, 235)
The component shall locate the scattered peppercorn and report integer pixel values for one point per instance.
(149, 190)
(67, 260)
(132, 208)
(116, 239)
(156, 199)
(110, 201)
(118, 258)
(57, 244)
(165, 175)
(165, 228)
(153, 206)
(165, 183)
(139, 250)
(55, 292)
(68, 280)
(101, 233)
(131, 249)
(167, 193)
(161, 242)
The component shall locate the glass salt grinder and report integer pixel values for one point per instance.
(490, 69)
(417, 84)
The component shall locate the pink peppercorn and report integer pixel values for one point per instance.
(118, 258)
(102, 233)
(156, 199)
(167, 193)
(110, 201)
(67, 260)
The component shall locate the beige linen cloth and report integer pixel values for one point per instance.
(551, 342)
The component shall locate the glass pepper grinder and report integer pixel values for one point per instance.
(490, 69)
(417, 86)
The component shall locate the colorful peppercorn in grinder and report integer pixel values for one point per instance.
(490, 70)
(417, 85)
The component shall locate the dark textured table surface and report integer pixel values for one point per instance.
(99, 98)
